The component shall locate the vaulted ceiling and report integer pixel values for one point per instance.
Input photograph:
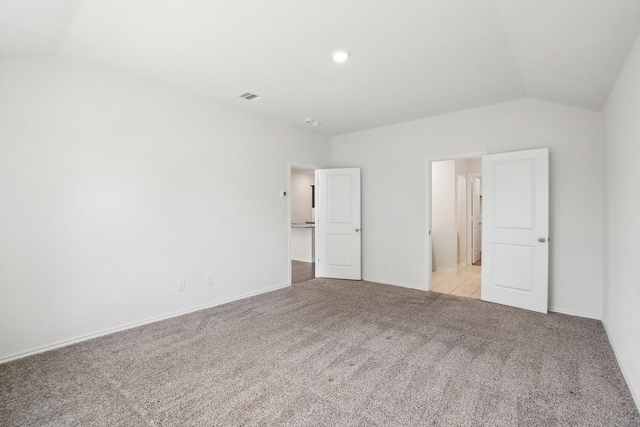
(409, 58)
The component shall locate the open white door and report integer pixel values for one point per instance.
(338, 223)
(515, 217)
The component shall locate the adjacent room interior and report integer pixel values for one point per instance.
(152, 268)
(456, 227)
(303, 214)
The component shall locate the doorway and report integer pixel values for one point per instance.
(515, 229)
(302, 236)
(324, 224)
(456, 225)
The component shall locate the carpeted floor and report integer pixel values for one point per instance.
(330, 353)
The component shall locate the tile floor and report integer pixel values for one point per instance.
(464, 283)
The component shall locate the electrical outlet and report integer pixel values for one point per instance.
(182, 286)
(210, 281)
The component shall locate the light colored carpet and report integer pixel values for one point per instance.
(334, 353)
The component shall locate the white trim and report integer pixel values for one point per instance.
(635, 394)
(109, 331)
(447, 270)
(427, 202)
(291, 165)
(458, 156)
(400, 285)
(574, 313)
(554, 310)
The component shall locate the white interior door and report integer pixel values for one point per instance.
(476, 221)
(338, 223)
(515, 221)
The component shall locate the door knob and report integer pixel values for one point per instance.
(542, 239)
(357, 229)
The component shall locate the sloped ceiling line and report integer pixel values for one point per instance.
(410, 58)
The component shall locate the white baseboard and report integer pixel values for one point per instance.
(447, 270)
(575, 313)
(635, 394)
(423, 288)
(92, 335)
(401, 285)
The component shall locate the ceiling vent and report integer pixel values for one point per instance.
(249, 96)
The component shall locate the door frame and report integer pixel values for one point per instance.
(470, 177)
(287, 198)
(428, 161)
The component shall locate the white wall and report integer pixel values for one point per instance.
(621, 314)
(301, 197)
(392, 159)
(114, 189)
(474, 165)
(443, 215)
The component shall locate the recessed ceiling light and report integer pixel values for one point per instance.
(341, 56)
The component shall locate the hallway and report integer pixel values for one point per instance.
(302, 271)
(464, 283)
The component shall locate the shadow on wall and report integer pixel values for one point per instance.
(433, 258)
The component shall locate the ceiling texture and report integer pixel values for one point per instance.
(409, 58)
